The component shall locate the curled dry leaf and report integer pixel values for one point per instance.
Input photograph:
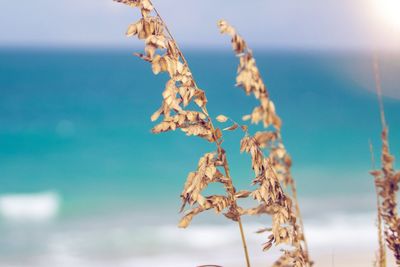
(245, 128)
(232, 127)
(185, 221)
(218, 134)
(242, 194)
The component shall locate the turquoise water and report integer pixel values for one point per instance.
(75, 132)
(77, 122)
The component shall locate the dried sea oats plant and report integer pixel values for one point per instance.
(249, 79)
(164, 55)
(182, 92)
(380, 260)
(387, 182)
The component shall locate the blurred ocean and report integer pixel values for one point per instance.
(83, 182)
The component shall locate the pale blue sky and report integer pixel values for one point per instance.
(309, 24)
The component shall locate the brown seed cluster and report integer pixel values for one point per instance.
(207, 172)
(269, 194)
(249, 79)
(380, 260)
(387, 182)
(279, 161)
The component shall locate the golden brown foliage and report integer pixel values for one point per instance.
(269, 194)
(381, 253)
(180, 93)
(163, 53)
(387, 182)
(249, 79)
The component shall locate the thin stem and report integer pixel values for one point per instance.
(378, 87)
(244, 242)
(230, 188)
(175, 42)
(371, 149)
(299, 217)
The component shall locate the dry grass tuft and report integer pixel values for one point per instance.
(249, 79)
(182, 92)
(387, 183)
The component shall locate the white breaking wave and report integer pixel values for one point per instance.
(348, 240)
(334, 230)
(37, 206)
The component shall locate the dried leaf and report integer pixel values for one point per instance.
(242, 194)
(231, 128)
(246, 117)
(222, 118)
(218, 134)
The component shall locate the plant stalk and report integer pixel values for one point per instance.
(246, 253)
(231, 191)
(230, 188)
(299, 217)
(378, 87)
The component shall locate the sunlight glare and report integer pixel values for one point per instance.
(389, 10)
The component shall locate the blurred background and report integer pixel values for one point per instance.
(84, 183)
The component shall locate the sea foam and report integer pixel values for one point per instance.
(347, 239)
(37, 206)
